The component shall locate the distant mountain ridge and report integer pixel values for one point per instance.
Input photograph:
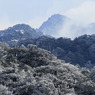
(18, 32)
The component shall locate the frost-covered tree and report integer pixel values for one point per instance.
(34, 71)
(4, 90)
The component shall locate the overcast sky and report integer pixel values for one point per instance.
(35, 12)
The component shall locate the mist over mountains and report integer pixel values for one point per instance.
(61, 26)
(34, 62)
(56, 26)
(47, 47)
(53, 25)
(62, 47)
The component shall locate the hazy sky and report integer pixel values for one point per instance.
(35, 12)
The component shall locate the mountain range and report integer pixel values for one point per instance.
(32, 62)
(62, 26)
(78, 51)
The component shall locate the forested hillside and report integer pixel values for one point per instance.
(80, 51)
(34, 71)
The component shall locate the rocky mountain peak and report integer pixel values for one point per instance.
(18, 32)
(24, 27)
(53, 24)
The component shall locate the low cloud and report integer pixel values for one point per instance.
(83, 14)
(80, 17)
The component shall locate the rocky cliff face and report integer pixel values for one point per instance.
(34, 71)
